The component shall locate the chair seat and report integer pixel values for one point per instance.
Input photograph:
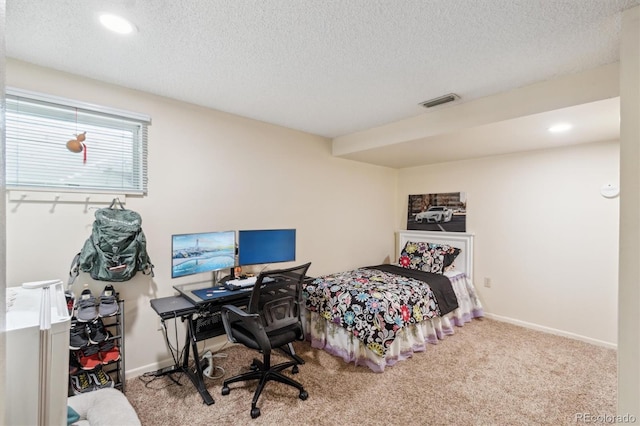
(277, 338)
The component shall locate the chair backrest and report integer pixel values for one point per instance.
(277, 296)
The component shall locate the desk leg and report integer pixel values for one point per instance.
(196, 377)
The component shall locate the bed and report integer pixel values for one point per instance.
(381, 314)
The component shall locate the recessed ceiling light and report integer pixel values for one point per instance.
(559, 128)
(116, 23)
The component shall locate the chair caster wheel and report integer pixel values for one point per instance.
(225, 390)
(255, 412)
(303, 395)
(295, 369)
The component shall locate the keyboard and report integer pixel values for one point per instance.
(238, 284)
(246, 282)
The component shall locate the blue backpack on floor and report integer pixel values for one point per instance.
(117, 248)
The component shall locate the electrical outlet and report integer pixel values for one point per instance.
(487, 282)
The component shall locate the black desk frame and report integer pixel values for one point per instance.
(196, 377)
(202, 307)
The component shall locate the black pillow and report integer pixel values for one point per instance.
(450, 256)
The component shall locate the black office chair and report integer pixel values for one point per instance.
(271, 321)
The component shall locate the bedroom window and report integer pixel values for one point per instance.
(64, 145)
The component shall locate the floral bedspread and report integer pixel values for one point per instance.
(372, 304)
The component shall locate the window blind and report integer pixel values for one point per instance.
(38, 127)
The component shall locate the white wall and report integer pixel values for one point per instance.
(207, 171)
(545, 236)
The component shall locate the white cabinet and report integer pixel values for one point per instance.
(37, 357)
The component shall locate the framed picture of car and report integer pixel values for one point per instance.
(445, 212)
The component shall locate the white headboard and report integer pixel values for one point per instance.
(461, 240)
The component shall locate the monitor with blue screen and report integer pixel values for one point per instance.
(266, 246)
(202, 252)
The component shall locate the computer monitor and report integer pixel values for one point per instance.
(266, 246)
(202, 252)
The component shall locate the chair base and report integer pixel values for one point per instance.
(290, 352)
(263, 375)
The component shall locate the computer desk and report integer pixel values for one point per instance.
(199, 305)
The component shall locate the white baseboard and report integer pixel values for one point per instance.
(552, 331)
(129, 374)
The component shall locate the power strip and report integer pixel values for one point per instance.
(207, 364)
(164, 371)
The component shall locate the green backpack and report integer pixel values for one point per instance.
(117, 248)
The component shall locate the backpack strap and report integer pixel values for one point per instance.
(74, 270)
(116, 200)
(144, 263)
(148, 269)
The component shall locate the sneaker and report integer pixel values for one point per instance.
(71, 301)
(109, 351)
(100, 379)
(78, 335)
(89, 357)
(97, 333)
(87, 309)
(74, 365)
(81, 383)
(108, 302)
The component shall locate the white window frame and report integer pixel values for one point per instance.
(38, 127)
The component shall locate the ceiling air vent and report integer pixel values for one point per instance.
(439, 101)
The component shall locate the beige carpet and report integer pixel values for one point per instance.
(487, 373)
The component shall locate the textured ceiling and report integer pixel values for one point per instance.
(327, 67)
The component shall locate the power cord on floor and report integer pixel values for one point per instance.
(209, 369)
(152, 376)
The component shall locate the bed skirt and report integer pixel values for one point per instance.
(338, 341)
